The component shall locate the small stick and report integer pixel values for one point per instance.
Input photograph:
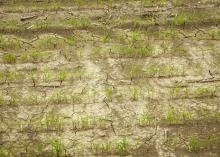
(28, 17)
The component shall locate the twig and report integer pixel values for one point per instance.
(28, 17)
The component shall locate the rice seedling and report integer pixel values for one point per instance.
(190, 92)
(5, 152)
(183, 18)
(160, 70)
(194, 144)
(106, 37)
(49, 42)
(9, 58)
(135, 36)
(83, 123)
(72, 40)
(76, 98)
(102, 123)
(115, 147)
(24, 57)
(14, 100)
(102, 148)
(122, 147)
(47, 75)
(208, 91)
(169, 33)
(58, 148)
(12, 24)
(59, 97)
(135, 94)
(2, 100)
(135, 71)
(62, 75)
(109, 93)
(77, 74)
(214, 33)
(176, 116)
(51, 122)
(39, 56)
(33, 77)
(170, 116)
(81, 22)
(2, 76)
(10, 43)
(32, 100)
(146, 119)
(173, 141)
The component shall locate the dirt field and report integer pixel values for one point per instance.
(109, 78)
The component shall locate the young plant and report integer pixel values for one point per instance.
(2, 100)
(51, 122)
(106, 37)
(171, 115)
(109, 93)
(9, 58)
(83, 123)
(59, 97)
(193, 143)
(122, 147)
(62, 75)
(102, 148)
(47, 75)
(147, 118)
(183, 18)
(32, 100)
(58, 148)
(135, 94)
